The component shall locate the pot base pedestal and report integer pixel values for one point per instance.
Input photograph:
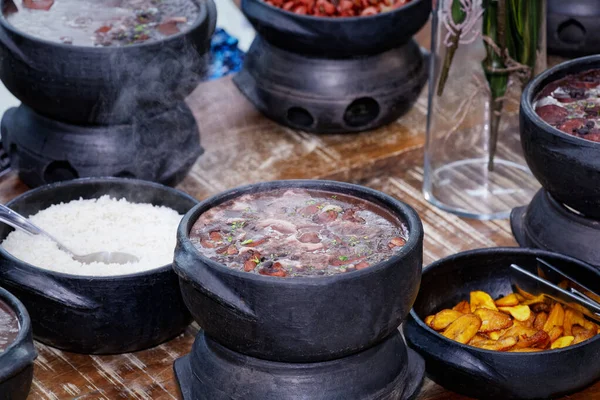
(549, 225)
(161, 147)
(388, 370)
(332, 95)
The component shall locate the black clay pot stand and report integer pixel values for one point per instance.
(334, 75)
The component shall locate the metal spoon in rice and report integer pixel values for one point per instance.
(16, 220)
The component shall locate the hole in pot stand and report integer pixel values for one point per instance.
(361, 112)
(58, 171)
(571, 32)
(300, 117)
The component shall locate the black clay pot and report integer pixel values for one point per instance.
(16, 362)
(337, 37)
(568, 167)
(162, 148)
(485, 374)
(573, 27)
(98, 315)
(537, 224)
(387, 371)
(300, 319)
(104, 85)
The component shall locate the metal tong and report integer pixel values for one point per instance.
(576, 295)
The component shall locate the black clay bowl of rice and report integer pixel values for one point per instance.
(98, 308)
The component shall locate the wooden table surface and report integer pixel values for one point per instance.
(244, 147)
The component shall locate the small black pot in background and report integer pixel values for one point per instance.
(568, 167)
(337, 37)
(300, 319)
(16, 362)
(98, 315)
(485, 374)
(104, 85)
(334, 75)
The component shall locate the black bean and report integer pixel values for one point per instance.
(590, 124)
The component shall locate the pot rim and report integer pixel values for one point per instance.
(202, 16)
(545, 78)
(403, 211)
(510, 250)
(84, 181)
(342, 20)
(22, 316)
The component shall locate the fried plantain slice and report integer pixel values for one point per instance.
(555, 318)
(562, 342)
(492, 320)
(540, 320)
(520, 313)
(539, 339)
(463, 329)
(428, 320)
(508, 301)
(463, 307)
(497, 345)
(583, 335)
(481, 299)
(555, 333)
(444, 318)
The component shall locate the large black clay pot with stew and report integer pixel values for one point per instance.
(104, 85)
(17, 353)
(568, 167)
(98, 314)
(300, 319)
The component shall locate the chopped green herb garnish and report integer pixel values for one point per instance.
(256, 260)
(311, 202)
(334, 196)
(320, 206)
(245, 242)
(230, 239)
(237, 224)
(343, 258)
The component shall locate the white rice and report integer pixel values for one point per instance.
(103, 224)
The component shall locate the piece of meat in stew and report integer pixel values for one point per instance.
(572, 105)
(297, 232)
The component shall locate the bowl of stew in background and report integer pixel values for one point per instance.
(489, 374)
(560, 129)
(17, 352)
(329, 270)
(108, 82)
(340, 36)
(98, 314)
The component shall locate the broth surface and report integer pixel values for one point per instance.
(297, 232)
(9, 326)
(102, 22)
(572, 105)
